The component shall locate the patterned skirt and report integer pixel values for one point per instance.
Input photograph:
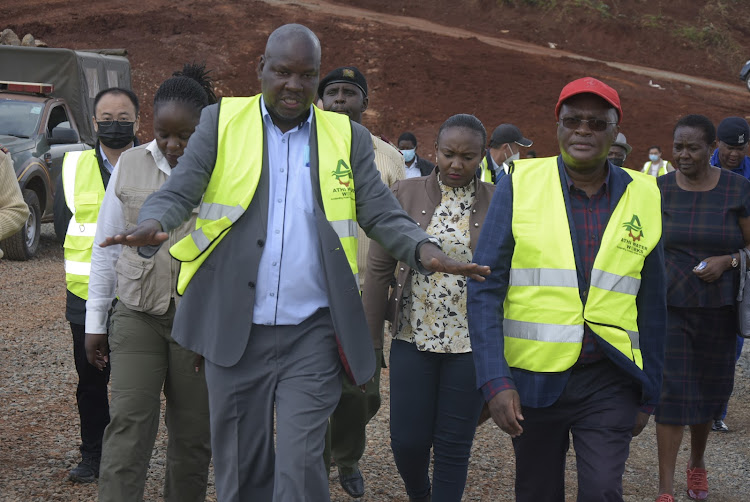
(698, 365)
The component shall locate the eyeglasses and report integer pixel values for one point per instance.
(597, 125)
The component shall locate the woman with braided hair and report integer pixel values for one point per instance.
(143, 355)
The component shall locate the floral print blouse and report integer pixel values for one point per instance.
(433, 314)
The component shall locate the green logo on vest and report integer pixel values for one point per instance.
(343, 173)
(634, 228)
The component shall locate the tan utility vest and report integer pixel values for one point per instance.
(145, 284)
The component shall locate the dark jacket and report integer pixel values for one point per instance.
(419, 197)
(424, 165)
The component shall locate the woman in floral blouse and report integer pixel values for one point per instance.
(435, 403)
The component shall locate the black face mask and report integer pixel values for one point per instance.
(617, 162)
(114, 134)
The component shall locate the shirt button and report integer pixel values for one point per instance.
(424, 212)
(476, 224)
(277, 231)
(282, 169)
(272, 294)
(261, 242)
(399, 285)
(593, 237)
(251, 284)
(274, 264)
(401, 269)
(278, 200)
(283, 140)
(474, 211)
(591, 210)
(419, 224)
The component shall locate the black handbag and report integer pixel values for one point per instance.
(743, 296)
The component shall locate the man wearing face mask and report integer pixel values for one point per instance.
(78, 196)
(655, 165)
(414, 164)
(503, 150)
(619, 151)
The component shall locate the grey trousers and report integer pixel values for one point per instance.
(296, 371)
(144, 360)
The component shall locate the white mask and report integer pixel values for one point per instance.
(514, 156)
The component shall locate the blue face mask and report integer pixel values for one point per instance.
(653, 158)
(409, 154)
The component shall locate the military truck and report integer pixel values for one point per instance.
(46, 109)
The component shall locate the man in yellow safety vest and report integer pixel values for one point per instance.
(568, 330)
(78, 197)
(269, 276)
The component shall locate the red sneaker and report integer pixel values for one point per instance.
(697, 483)
(665, 497)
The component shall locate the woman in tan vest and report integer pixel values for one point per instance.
(144, 356)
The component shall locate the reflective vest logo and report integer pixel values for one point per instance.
(343, 173)
(634, 227)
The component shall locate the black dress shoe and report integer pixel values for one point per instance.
(85, 472)
(353, 483)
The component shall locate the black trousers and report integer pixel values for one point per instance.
(598, 407)
(91, 396)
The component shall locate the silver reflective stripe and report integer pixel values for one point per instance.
(77, 267)
(69, 168)
(356, 278)
(543, 277)
(613, 282)
(214, 211)
(345, 228)
(543, 332)
(200, 239)
(635, 339)
(81, 229)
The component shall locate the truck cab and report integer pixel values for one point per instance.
(38, 130)
(46, 109)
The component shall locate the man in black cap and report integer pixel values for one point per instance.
(344, 90)
(502, 152)
(733, 134)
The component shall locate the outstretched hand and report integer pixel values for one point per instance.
(434, 260)
(147, 233)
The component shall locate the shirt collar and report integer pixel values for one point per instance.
(159, 159)
(107, 165)
(269, 121)
(569, 182)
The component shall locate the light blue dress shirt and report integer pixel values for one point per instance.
(291, 284)
(107, 164)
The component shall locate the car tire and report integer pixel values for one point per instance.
(24, 244)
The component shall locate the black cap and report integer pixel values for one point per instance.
(508, 133)
(346, 74)
(733, 131)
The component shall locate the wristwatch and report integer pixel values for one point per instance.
(734, 261)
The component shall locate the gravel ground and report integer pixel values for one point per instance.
(39, 424)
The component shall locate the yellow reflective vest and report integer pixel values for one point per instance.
(544, 314)
(662, 170)
(485, 173)
(239, 161)
(84, 192)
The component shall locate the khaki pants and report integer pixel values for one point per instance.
(145, 359)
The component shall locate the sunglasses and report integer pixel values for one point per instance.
(597, 125)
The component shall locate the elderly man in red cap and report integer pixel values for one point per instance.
(568, 330)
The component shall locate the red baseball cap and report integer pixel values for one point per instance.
(589, 85)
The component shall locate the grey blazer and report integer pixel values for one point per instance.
(215, 315)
